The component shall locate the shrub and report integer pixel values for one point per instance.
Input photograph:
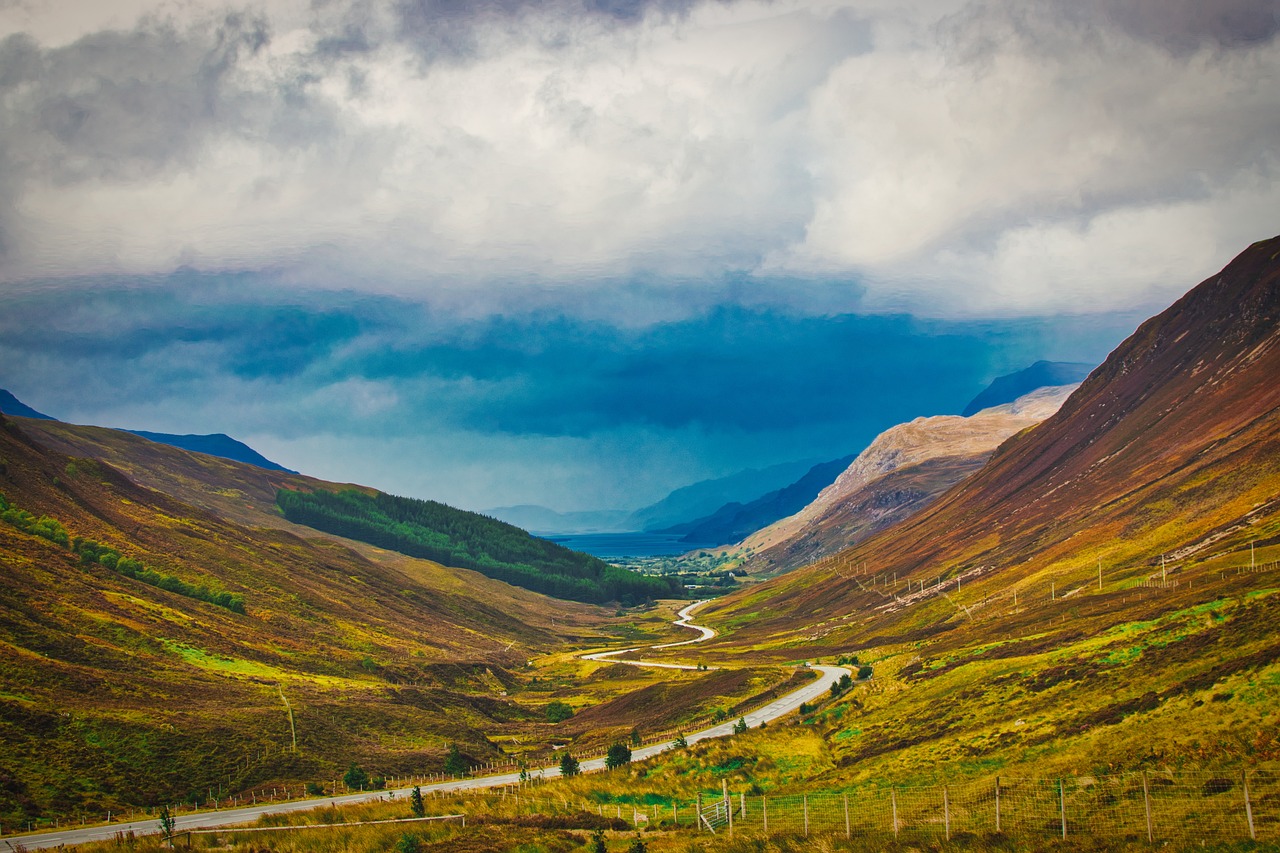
(569, 765)
(315, 789)
(558, 712)
(864, 672)
(409, 843)
(454, 763)
(740, 726)
(356, 779)
(618, 755)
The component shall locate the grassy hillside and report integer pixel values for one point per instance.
(1101, 595)
(120, 688)
(152, 650)
(456, 538)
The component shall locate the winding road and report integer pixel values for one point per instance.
(208, 820)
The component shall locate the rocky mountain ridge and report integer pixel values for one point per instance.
(899, 473)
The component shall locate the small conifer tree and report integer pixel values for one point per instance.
(416, 805)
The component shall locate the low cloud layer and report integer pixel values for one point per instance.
(540, 408)
(986, 157)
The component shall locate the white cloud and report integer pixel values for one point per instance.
(948, 157)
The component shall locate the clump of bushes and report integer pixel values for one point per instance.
(95, 552)
(558, 712)
(91, 552)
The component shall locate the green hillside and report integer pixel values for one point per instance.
(454, 537)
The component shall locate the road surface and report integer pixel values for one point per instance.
(248, 814)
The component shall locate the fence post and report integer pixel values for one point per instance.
(893, 800)
(699, 813)
(1062, 807)
(946, 813)
(728, 805)
(806, 815)
(1248, 807)
(1146, 802)
(742, 804)
(764, 812)
(847, 830)
(997, 804)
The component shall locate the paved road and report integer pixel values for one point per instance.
(704, 634)
(207, 820)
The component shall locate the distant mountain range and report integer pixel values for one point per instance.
(688, 503)
(735, 520)
(1042, 374)
(217, 444)
(541, 520)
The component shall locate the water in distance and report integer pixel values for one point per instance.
(614, 545)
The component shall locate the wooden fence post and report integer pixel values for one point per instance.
(699, 812)
(764, 812)
(848, 832)
(893, 800)
(728, 805)
(806, 815)
(1248, 807)
(1062, 807)
(997, 804)
(1146, 802)
(946, 813)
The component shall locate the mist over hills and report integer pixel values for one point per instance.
(542, 520)
(735, 520)
(683, 505)
(1006, 389)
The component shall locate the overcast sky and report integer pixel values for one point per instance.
(581, 252)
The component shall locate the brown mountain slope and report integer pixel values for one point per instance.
(119, 691)
(1171, 447)
(899, 474)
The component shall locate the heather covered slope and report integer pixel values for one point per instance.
(251, 494)
(126, 688)
(1101, 597)
(1171, 449)
(900, 473)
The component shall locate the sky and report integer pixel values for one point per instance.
(579, 253)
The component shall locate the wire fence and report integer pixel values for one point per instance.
(1182, 808)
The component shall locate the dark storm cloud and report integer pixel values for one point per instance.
(730, 369)
(1186, 25)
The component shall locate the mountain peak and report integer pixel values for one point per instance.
(1006, 389)
(11, 405)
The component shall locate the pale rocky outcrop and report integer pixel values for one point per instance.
(958, 445)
